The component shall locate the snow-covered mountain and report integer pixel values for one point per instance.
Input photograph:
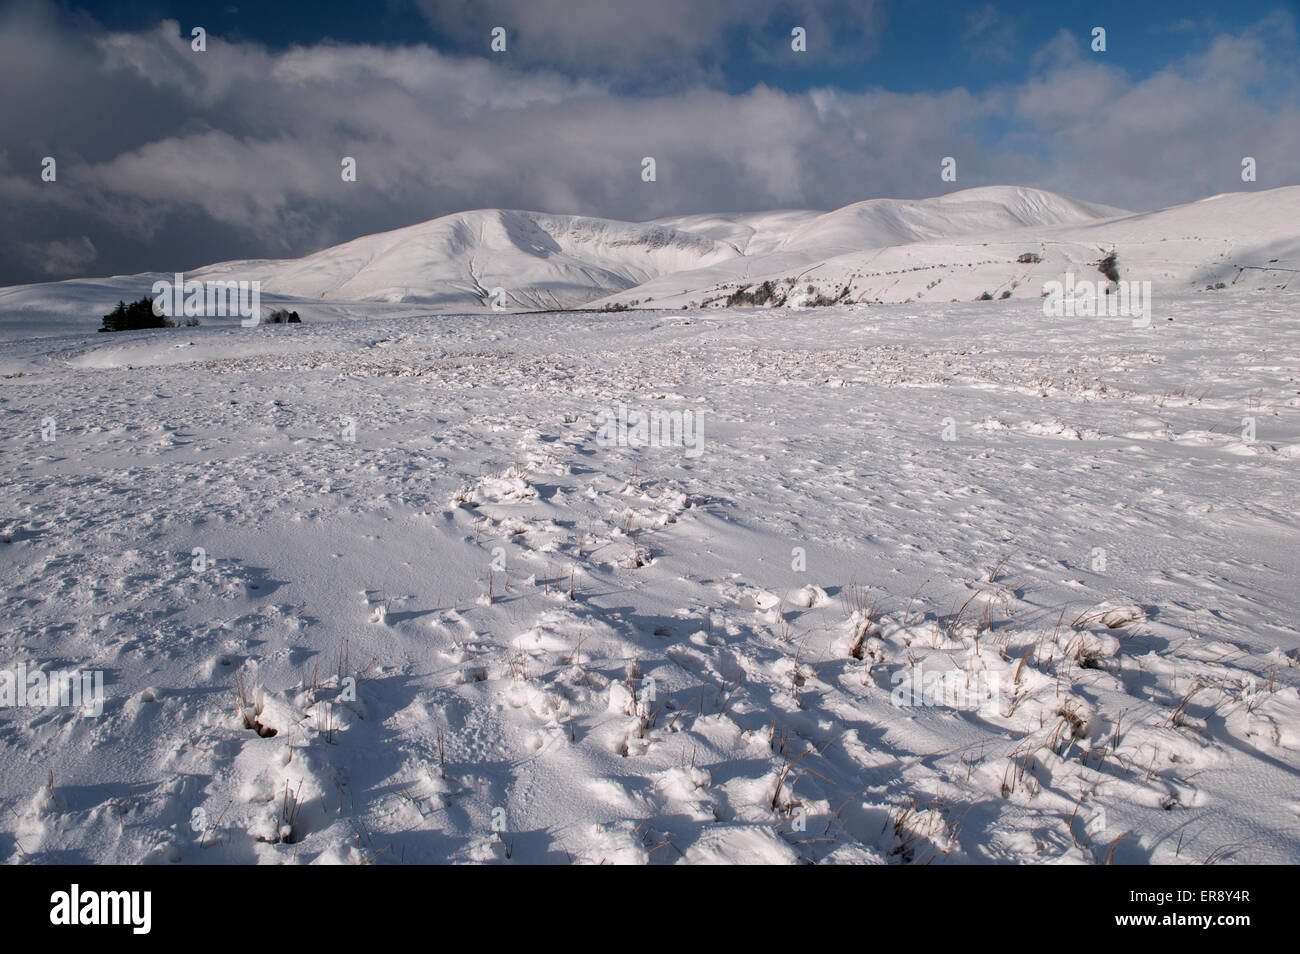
(959, 246)
(877, 223)
(547, 261)
(455, 262)
(955, 246)
(962, 246)
(756, 233)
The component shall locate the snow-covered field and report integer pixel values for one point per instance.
(465, 628)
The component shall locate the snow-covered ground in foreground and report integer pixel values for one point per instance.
(466, 630)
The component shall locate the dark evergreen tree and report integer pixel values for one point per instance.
(135, 316)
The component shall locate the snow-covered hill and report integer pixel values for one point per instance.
(884, 251)
(956, 247)
(455, 262)
(877, 223)
(563, 261)
(749, 233)
(469, 261)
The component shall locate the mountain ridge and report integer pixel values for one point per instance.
(546, 260)
(958, 246)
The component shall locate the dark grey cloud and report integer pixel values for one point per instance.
(668, 43)
(169, 159)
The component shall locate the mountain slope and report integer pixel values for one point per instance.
(1246, 239)
(454, 262)
(755, 233)
(866, 227)
(958, 246)
(877, 223)
(562, 261)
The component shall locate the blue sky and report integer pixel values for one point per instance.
(169, 158)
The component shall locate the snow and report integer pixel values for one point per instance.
(963, 245)
(455, 262)
(750, 234)
(955, 247)
(501, 259)
(467, 631)
(877, 223)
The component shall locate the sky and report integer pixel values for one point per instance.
(166, 157)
